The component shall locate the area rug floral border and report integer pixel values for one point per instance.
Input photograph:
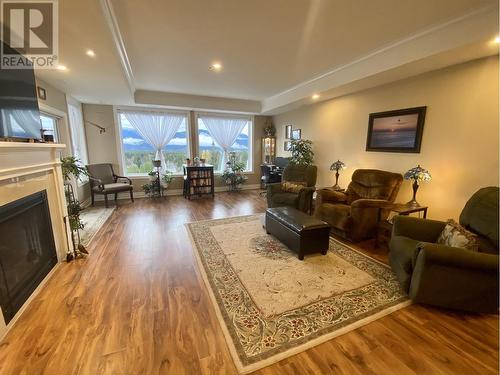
(256, 341)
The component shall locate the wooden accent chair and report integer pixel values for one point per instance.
(103, 180)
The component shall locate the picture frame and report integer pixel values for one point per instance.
(296, 134)
(288, 132)
(42, 94)
(398, 130)
(288, 146)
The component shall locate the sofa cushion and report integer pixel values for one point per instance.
(292, 187)
(455, 235)
(117, 186)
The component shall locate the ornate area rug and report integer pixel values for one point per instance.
(271, 305)
(93, 219)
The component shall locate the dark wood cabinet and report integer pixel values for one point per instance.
(198, 181)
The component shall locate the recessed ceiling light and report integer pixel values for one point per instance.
(61, 67)
(315, 96)
(90, 53)
(216, 67)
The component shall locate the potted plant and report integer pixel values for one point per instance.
(152, 176)
(71, 169)
(302, 153)
(147, 188)
(166, 179)
(233, 175)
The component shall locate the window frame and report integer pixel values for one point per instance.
(84, 159)
(57, 120)
(251, 127)
(118, 110)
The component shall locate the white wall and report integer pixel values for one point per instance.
(460, 141)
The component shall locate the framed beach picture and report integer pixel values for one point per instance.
(288, 132)
(296, 134)
(396, 131)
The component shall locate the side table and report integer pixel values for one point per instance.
(384, 229)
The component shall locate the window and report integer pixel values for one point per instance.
(139, 153)
(49, 125)
(78, 142)
(215, 131)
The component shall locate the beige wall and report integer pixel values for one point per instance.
(460, 141)
(103, 148)
(56, 99)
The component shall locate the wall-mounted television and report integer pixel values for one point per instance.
(19, 114)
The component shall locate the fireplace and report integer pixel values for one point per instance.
(27, 250)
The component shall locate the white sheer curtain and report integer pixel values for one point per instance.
(156, 128)
(224, 131)
(29, 121)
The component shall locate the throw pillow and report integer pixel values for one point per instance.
(292, 187)
(455, 235)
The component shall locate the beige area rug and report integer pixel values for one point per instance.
(93, 219)
(271, 305)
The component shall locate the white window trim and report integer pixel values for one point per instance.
(250, 118)
(71, 101)
(117, 110)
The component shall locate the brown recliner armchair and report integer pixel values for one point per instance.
(354, 214)
(103, 180)
(302, 200)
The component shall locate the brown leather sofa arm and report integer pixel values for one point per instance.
(435, 254)
(418, 229)
(371, 203)
(116, 177)
(332, 196)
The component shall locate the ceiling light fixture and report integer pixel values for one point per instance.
(61, 67)
(90, 53)
(497, 39)
(315, 96)
(217, 67)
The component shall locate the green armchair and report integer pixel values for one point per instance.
(446, 276)
(302, 201)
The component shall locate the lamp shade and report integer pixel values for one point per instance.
(418, 174)
(337, 165)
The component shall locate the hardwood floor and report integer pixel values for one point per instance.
(137, 305)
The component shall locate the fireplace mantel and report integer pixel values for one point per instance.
(27, 168)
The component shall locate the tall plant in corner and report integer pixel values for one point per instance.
(72, 169)
(302, 153)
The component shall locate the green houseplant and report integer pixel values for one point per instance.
(302, 153)
(71, 168)
(233, 175)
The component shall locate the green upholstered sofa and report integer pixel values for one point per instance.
(302, 201)
(446, 276)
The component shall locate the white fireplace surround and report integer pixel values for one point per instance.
(26, 168)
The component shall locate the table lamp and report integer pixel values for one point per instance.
(338, 165)
(417, 174)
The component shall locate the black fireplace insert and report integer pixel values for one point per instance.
(27, 250)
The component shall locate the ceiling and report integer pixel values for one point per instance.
(274, 52)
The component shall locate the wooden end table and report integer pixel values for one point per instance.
(384, 230)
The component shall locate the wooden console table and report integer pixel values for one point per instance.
(198, 180)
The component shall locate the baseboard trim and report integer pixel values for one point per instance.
(169, 192)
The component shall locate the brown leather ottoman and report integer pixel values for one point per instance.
(302, 233)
